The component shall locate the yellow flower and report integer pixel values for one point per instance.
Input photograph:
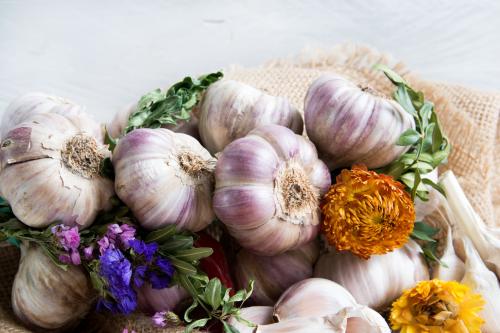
(367, 213)
(437, 306)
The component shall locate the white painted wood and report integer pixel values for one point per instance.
(104, 54)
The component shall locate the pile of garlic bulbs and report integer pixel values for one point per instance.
(239, 158)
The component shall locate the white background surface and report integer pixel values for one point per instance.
(105, 54)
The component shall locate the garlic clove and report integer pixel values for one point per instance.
(273, 275)
(258, 315)
(165, 178)
(358, 319)
(312, 297)
(481, 280)
(455, 268)
(46, 296)
(151, 300)
(393, 273)
(229, 110)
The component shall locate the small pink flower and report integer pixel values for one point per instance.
(65, 258)
(127, 234)
(88, 252)
(75, 258)
(159, 319)
(125, 330)
(104, 244)
(70, 239)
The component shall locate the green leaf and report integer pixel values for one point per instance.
(434, 185)
(182, 267)
(196, 324)
(176, 243)
(239, 296)
(109, 140)
(416, 183)
(437, 137)
(425, 113)
(429, 249)
(213, 293)
(194, 254)
(229, 328)
(161, 235)
(425, 228)
(408, 138)
(391, 75)
(188, 311)
(402, 97)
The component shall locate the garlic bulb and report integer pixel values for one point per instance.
(425, 208)
(312, 297)
(273, 275)
(46, 296)
(459, 211)
(50, 171)
(151, 300)
(455, 268)
(352, 124)
(165, 178)
(393, 272)
(267, 190)
(119, 122)
(258, 315)
(229, 110)
(357, 319)
(482, 281)
(25, 106)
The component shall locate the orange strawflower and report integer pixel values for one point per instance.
(437, 307)
(367, 213)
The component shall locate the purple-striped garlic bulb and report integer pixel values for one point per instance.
(273, 275)
(151, 300)
(28, 105)
(229, 110)
(165, 178)
(50, 171)
(117, 125)
(267, 190)
(352, 124)
(47, 297)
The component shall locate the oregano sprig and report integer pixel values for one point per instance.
(159, 108)
(428, 147)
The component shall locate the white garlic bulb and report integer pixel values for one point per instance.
(358, 319)
(25, 106)
(482, 281)
(46, 296)
(229, 110)
(394, 272)
(165, 178)
(314, 297)
(462, 216)
(267, 190)
(117, 125)
(352, 124)
(50, 171)
(257, 315)
(274, 274)
(151, 300)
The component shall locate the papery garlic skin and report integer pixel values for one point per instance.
(22, 108)
(314, 297)
(151, 300)
(258, 315)
(350, 124)
(377, 281)
(424, 208)
(229, 110)
(50, 171)
(482, 281)
(117, 125)
(165, 178)
(267, 190)
(455, 268)
(273, 275)
(46, 296)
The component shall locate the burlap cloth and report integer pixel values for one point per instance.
(470, 118)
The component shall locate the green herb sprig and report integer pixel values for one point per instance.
(159, 108)
(428, 146)
(424, 233)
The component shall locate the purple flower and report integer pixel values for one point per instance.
(105, 244)
(68, 238)
(116, 237)
(127, 234)
(73, 258)
(165, 266)
(117, 271)
(147, 250)
(159, 319)
(88, 252)
(140, 275)
(125, 330)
